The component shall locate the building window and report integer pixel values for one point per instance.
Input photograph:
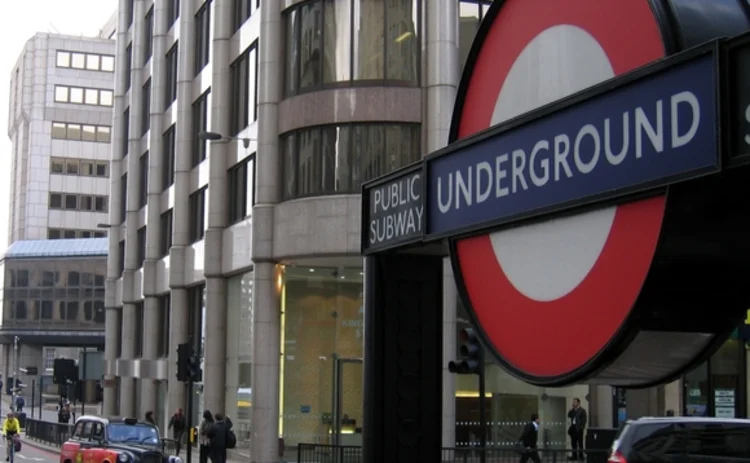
(78, 132)
(148, 39)
(165, 233)
(138, 330)
(87, 168)
(49, 358)
(198, 215)
(146, 107)
(78, 202)
(241, 189)
(164, 310)
(243, 9)
(60, 233)
(470, 15)
(141, 246)
(87, 61)
(143, 180)
(202, 36)
(168, 151)
(173, 12)
(125, 132)
(170, 92)
(128, 65)
(337, 159)
(200, 123)
(85, 96)
(244, 80)
(121, 257)
(372, 43)
(123, 197)
(130, 12)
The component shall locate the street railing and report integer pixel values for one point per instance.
(319, 453)
(47, 431)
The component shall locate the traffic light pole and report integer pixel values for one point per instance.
(482, 413)
(189, 422)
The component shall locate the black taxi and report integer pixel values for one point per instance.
(114, 440)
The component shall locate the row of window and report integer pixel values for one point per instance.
(91, 312)
(81, 132)
(25, 278)
(78, 202)
(339, 158)
(88, 61)
(81, 95)
(342, 42)
(69, 234)
(71, 166)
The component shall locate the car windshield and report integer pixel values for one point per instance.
(140, 433)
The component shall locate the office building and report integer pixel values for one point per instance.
(60, 127)
(245, 241)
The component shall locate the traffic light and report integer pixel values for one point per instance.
(188, 364)
(472, 354)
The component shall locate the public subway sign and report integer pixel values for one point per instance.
(638, 132)
(393, 210)
(738, 75)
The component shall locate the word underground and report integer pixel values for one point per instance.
(397, 210)
(554, 160)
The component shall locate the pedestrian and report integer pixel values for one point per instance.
(217, 450)
(203, 440)
(578, 418)
(150, 419)
(63, 416)
(529, 440)
(177, 424)
(20, 403)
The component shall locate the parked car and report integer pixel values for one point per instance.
(683, 439)
(115, 440)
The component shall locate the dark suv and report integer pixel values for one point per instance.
(682, 439)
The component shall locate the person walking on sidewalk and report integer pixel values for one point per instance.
(11, 428)
(203, 440)
(217, 450)
(177, 424)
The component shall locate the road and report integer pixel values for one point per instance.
(29, 454)
(47, 415)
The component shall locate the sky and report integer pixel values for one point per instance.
(20, 20)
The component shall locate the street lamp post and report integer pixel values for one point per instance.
(15, 373)
(217, 137)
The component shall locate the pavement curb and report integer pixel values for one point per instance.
(31, 442)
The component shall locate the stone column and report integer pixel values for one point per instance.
(266, 317)
(216, 288)
(112, 304)
(178, 314)
(152, 321)
(441, 52)
(130, 296)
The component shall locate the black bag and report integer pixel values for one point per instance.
(231, 439)
(520, 449)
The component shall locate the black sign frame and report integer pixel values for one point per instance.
(730, 82)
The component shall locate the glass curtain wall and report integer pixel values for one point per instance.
(322, 320)
(335, 43)
(510, 403)
(239, 352)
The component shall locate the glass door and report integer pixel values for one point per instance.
(347, 401)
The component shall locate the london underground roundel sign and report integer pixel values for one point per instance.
(567, 285)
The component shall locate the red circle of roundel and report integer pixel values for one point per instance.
(556, 338)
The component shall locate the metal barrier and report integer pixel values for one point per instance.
(48, 432)
(318, 453)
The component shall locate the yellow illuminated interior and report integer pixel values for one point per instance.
(471, 394)
(281, 287)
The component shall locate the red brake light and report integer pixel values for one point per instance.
(617, 457)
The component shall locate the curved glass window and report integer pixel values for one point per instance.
(332, 43)
(336, 159)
